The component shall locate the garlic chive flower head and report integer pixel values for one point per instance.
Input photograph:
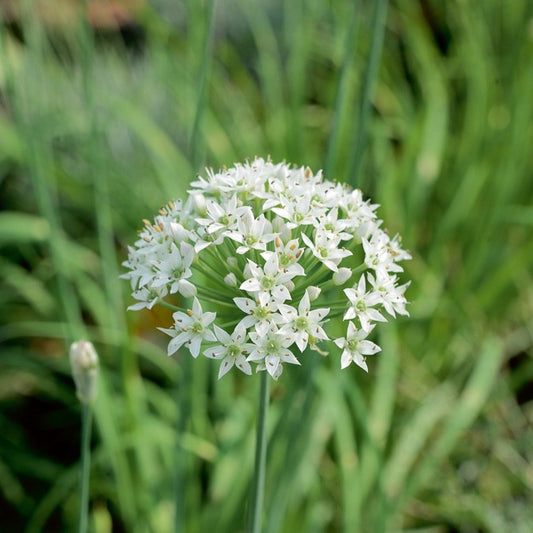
(269, 255)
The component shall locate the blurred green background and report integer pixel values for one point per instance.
(106, 117)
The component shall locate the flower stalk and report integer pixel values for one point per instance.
(258, 482)
(84, 364)
(83, 512)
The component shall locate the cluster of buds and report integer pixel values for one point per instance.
(269, 254)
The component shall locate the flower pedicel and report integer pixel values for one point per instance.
(264, 244)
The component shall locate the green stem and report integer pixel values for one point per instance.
(206, 295)
(260, 457)
(86, 418)
(378, 31)
(223, 287)
(170, 306)
(180, 477)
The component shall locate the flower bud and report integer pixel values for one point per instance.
(84, 364)
(200, 205)
(279, 226)
(178, 231)
(247, 272)
(313, 292)
(342, 275)
(230, 280)
(186, 288)
(232, 262)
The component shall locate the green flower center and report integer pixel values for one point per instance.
(272, 346)
(197, 327)
(267, 283)
(352, 344)
(285, 259)
(250, 240)
(177, 272)
(301, 323)
(360, 306)
(298, 217)
(234, 350)
(261, 313)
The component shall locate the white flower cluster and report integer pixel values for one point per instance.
(276, 252)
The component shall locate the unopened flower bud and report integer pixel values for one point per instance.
(199, 204)
(279, 226)
(342, 275)
(230, 280)
(232, 262)
(84, 364)
(247, 272)
(187, 289)
(313, 292)
(178, 231)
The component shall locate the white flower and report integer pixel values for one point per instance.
(269, 279)
(360, 213)
(147, 298)
(303, 325)
(392, 295)
(355, 347)
(272, 350)
(332, 227)
(288, 254)
(261, 313)
(252, 239)
(326, 250)
(378, 254)
(174, 269)
(362, 305)
(232, 349)
(252, 233)
(220, 217)
(298, 212)
(190, 329)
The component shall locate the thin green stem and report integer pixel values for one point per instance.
(180, 476)
(217, 255)
(379, 16)
(260, 457)
(170, 306)
(206, 295)
(224, 288)
(83, 515)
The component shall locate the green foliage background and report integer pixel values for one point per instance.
(96, 135)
